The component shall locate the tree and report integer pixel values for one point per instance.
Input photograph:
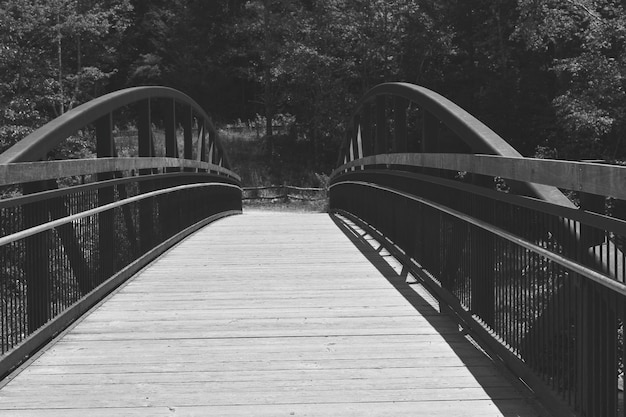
(585, 43)
(55, 54)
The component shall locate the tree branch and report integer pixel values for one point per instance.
(585, 8)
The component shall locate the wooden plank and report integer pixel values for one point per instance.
(296, 321)
(454, 375)
(424, 363)
(432, 408)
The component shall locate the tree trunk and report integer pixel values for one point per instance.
(269, 110)
(61, 109)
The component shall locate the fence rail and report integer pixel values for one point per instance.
(72, 230)
(538, 279)
(284, 192)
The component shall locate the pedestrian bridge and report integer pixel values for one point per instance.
(451, 275)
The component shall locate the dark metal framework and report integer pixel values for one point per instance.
(539, 280)
(73, 230)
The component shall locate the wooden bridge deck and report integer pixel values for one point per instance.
(265, 314)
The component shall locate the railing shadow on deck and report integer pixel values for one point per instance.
(360, 235)
(536, 278)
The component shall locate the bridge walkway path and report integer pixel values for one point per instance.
(266, 314)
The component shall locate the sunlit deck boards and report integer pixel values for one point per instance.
(269, 315)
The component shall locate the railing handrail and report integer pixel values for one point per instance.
(4, 240)
(605, 281)
(22, 172)
(588, 177)
(35, 146)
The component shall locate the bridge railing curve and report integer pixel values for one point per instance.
(537, 279)
(73, 230)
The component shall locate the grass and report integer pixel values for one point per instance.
(286, 161)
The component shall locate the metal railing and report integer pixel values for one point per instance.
(538, 280)
(73, 230)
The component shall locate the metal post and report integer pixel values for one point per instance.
(357, 134)
(188, 134)
(106, 220)
(381, 126)
(366, 130)
(211, 146)
(36, 262)
(430, 133)
(400, 124)
(146, 221)
(203, 153)
(171, 144)
(589, 236)
(166, 212)
(483, 257)
(144, 130)
(597, 331)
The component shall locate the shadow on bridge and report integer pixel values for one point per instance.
(413, 290)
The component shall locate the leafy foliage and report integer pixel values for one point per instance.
(585, 41)
(53, 56)
(548, 75)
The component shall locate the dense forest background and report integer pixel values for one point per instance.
(547, 75)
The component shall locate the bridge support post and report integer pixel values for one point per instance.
(145, 148)
(483, 258)
(58, 208)
(36, 260)
(210, 140)
(106, 220)
(169, 121)
(400, 124)
(381, 126)
(431, 221)
(166, 207)
(597, 326)
(188, 134)
(596, 339)
(430, 133)
(203, 142)
(366, 130)
(357, 134)
(589, 236)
